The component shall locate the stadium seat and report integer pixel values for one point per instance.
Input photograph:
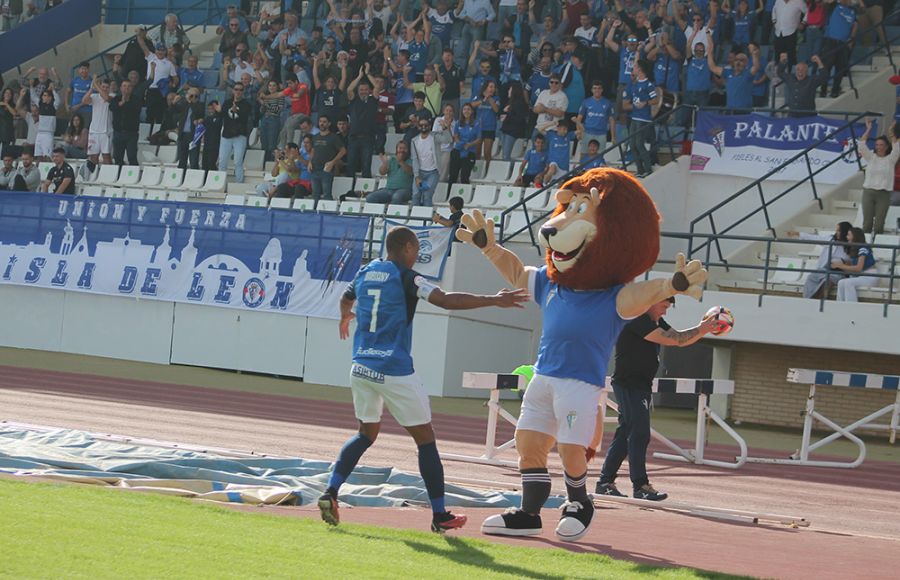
(420, 214)
(509, 195)
(215, 181)
(327, 205)
(484, 196)
(254, 160)
(304, 204)
(341, 185)
(376, 164)
(108, 175)
(147, 155)
(172, 178)
(167, 154)
(129, 175)
(235, 199)
(253, 140)
(256, 200)
(353, 206)
(150, 176)
(144, 133)
(365, 184)
(390, 144)
(498, 172)
(193, 180)
(92, 190)
(177, 196)
(793, 273)
(114, 192)
(160, 195)
(210, 79)
(44, 167)
(536, 202)
(373, 209)
(134, 193)
(462, 190)
(280, 203)
(397, 211)
(477, 171)
(515, 221)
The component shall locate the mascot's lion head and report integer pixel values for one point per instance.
(604, 232)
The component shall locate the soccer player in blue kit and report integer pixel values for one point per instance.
(386, 292)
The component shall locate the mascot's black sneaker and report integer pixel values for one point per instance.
(513, 522)
(328, 506)
(647, 492)
(609, 489)
(442, 522)
(575, 520)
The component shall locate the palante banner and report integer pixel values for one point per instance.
(220, 255)
(753, 145)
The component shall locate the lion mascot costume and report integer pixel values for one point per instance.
(602, 235)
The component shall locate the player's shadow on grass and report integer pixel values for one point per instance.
(468, 555)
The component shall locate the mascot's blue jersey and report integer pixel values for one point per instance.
(386, 294)
(580, 329)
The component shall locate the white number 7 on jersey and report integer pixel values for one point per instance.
(377, 295)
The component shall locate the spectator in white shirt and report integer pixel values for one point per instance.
(476, 14)
(99, 135)
(788, 17)
(879, 179)
(158, 68)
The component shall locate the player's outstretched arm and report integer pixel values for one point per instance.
(479, 232)
(465, 301)
(636, 298)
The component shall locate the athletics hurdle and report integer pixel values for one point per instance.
(703, 387)
(838, 379)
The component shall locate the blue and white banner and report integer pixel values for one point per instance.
(434, 247)
(219, 255)
(753, 145)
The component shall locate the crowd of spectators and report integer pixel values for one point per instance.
(16, 12)
(553, 82)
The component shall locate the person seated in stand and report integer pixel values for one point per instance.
(61, 178)
(398, 169)
(534, 164)
(859, 264)
(285, 169)
(818, 283)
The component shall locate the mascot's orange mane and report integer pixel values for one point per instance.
(627, 240)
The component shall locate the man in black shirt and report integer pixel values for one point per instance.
(800, 87)
(328, 149)
(212, 136)
(235, 115)
(61, 178)
(451, 78)
(188, 112)
(126, 114)
(637, 360)
(362, 109)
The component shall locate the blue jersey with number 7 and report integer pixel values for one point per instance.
(386, 295)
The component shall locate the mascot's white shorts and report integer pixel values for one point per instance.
(565, 409)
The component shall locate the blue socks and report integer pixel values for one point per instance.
(433, 474)
(347, 459)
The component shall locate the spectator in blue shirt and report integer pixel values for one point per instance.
(441, 20)
(539, 79)
(190, 76)
(466, 142)
(487, 105)
(738, 79)
(697, 80)
(232, 12)
(667, 61)
(79, 87)
(860, 264)
(481, 76)
(629, 52)
(559, 146)
(593, 119)
(418, 53)
(760, 90)
(534, 164)
(642, 97)
(743, 24)
(839, 32)
(593, 158)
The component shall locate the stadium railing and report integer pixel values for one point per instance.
(673, 133)
(769, 285)
(756, 187)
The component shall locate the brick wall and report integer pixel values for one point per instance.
(762, 395)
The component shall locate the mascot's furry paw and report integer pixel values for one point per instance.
(689, 277)
(479, 232)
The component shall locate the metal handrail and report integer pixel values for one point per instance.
(892, 275)
(757, 186)
(621, 146)
(209, 14)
